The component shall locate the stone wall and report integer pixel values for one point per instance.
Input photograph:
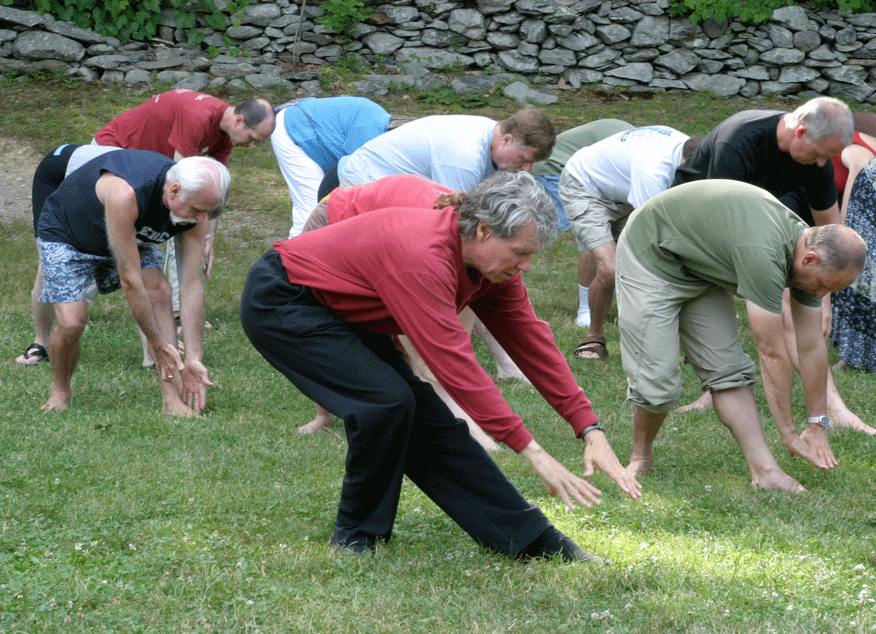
(550, 44)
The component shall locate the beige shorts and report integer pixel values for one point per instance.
(657, 318)
(594, 220)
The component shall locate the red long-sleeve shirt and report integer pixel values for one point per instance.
(400, 271)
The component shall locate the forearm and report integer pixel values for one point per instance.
(778, 379)
(191, 317)
(813, 374)
(141, 309)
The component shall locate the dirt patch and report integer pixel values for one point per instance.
(17, 165)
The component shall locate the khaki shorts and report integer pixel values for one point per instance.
(657, 318)
(594, 221)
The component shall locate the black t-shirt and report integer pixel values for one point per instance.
(73, 214)
(744, 147)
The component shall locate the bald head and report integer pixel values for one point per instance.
(839, 247)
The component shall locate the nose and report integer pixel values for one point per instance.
(821, 162)
(525, 264)
(821, 293)
(526, 167)
(201, 216)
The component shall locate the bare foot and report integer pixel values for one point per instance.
(839, 365)
(178, 409)
(58, 402)
(703, 403)
(481, 436)
(319, 423)
(780, 481)
(846, 418)
(639, 466)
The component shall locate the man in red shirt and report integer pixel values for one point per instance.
(324, 317)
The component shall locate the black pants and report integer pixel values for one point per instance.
(329, 183)
(395, 423)
(48, 177)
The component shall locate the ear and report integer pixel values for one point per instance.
(482, 232)
(800, 131)
(812, 258)
(507, 140)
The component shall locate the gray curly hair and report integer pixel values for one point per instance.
(505, 202)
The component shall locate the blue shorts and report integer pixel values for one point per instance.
(551, 183)
(67, 273)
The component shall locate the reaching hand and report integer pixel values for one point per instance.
(599, 454)
(559, 480)
(195, 382)
(168, 363)
(813, 445)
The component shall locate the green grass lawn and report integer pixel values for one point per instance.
(116, 518)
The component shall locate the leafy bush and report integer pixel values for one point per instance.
(130, 20)
(755, 11)
(341, 15)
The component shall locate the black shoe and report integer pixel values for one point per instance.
(354, 546)
(552, 543)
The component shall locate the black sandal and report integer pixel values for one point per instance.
(34, 351)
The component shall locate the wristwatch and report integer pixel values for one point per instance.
(590, 428)
(821, 421)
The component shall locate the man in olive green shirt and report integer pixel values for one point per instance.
(681, 258)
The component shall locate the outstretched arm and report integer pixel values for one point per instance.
(195, 377)
(120, 206)
(777, 375)
(812, 355)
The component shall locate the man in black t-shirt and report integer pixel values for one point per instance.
(103, 223)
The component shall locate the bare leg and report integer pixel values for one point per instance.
(64, 352)
(148, 362)
(839, 414)
(422, 370)
(702, 404)
(837, 411)
(322, 420)
(586, 271)
(505, 367)
(43, 317)
(737, 410)
(601, 291)
(645, 427)
(159, 294)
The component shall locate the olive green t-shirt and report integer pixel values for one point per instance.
(570, 141)
(728, 233)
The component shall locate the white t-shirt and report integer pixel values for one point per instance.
(85, 153)
(452, 150)
(630, 166)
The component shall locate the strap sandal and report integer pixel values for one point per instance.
(595, 344)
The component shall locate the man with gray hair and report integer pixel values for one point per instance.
(103, 224)
(325, 317)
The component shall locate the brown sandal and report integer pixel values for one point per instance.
(594, 344)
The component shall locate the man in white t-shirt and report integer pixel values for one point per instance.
(457, 151)
(599, 187)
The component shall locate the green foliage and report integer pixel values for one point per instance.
(127, 20)
(754, 11)
(446, 96)
(341, 15)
